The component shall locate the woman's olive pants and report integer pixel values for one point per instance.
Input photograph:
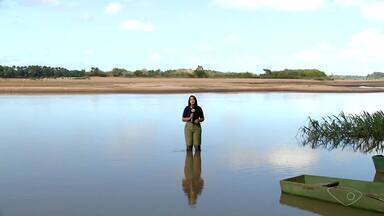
(192, 134)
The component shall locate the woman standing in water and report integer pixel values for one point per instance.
(193, 115)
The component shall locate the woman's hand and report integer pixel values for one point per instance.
(197, 121)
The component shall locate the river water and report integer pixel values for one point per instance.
(124, 154)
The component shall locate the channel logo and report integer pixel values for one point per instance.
(345, 195)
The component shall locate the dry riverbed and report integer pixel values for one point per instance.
(180, 85)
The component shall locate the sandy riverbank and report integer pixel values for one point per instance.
(180, 85)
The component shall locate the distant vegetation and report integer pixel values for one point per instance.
(347, 77)
(38, 72)
(295, 74)
(372, 76)
(375, 75)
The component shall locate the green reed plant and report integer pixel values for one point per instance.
(360, 132)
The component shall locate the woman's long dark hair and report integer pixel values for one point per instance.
(189, 103)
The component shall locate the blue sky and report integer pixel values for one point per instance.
(336, 36)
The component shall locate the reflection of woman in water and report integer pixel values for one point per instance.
(192, 181)
(193, 115)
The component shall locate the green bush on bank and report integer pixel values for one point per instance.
(361, 132)
(295, 74)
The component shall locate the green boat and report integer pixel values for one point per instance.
(346, 192)
(378, 160)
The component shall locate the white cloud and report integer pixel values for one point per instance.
(136, 25)
(349, 2)
(362, 53)
(281, 5)
(113, 8)
(369, 9)
(316, 54)
(366, 46)
(373, 11)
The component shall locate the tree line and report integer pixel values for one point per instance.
(35, 71)
(375, 76)
(295, 74)
(39, 72)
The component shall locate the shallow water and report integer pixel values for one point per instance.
(124, 154)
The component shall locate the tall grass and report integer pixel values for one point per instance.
(360, 132)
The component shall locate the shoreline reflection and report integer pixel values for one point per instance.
(322, 207)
